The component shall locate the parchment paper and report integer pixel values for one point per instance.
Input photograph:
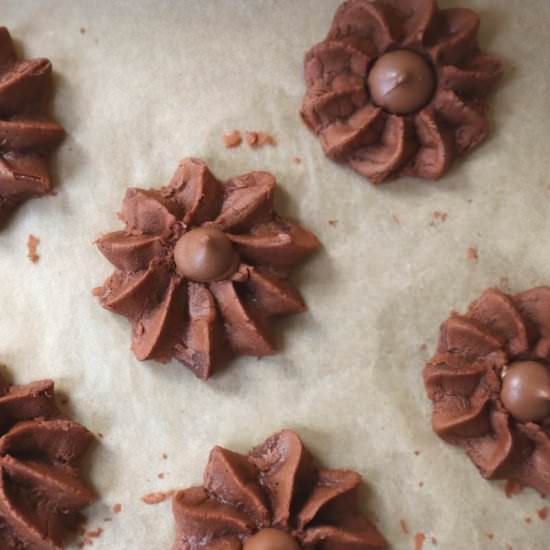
(147, 83)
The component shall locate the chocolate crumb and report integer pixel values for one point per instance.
(512, 488)
(32, 245)
(543, 513)
(95, 533)
(297, 160)
(419, 539)
(490, 536)
(439, 217)
(417, 452)
(232, 139)
(161, 475)
(404, 526)
(157, 498)
(82, 30)
(333, 223)
(117, 508)
(164, 456)
(100, 435)
(421, 484)
(473, 255)
(259, 139)
(528, 520)
(434, 541)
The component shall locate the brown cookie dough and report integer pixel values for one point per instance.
(398, 87)
(27, 137)
(41, 490)
(274, 498)
(202, 266)
(490, 385)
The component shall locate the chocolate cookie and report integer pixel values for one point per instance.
(398, 87)
(202, 266)
(41, 490)
(274, 498)
(490, 385)
(27, 137)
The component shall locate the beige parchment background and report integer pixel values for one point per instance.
(153, 81)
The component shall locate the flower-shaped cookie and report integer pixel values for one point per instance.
(398, 87)
(274, 497)
(41, 492)
(490, 385)
(202, 266)
(26, 136)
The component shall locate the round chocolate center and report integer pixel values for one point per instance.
(205, 255)
(271, 539)
(526, 391)
(401, 82)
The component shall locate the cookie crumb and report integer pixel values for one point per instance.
(333, 223)
(473, 254)
(164, 456)
(100, 435)
(297, 160)
(528, 520)
(434, 541)
(32, 245)
(490, 536)
(404, 526)
(421, 484)
(512, 488)
(417, 453)
(82, 30)
(439, 217)
(396, 219)
(161, 475)
(157, 498)
(419, 539)
(232, 139)
(95, 533)
(117, 508)
(259, 139)
(543, 513)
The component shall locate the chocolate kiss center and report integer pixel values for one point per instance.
(271, 539)
(401, 82)
(526, 391)
(205, 255)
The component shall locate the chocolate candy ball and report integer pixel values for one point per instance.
(271, 539)
(401, 82)
(205, 255)
(526, 391)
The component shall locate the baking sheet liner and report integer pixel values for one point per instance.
(140, 85)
